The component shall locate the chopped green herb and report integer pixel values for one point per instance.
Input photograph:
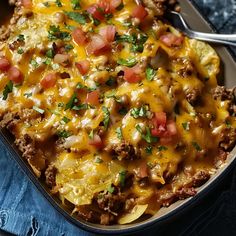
(46, 4)
(119, 133)
(108, 16)
(63, 134)
(150, 73)
(126, 38)
(48, 61)
(55, 33)
(148, 150)
(111, 189)
(98, 159)
(106, 119)
(39, 110)
(70, 27)
(21, 37)
(76, 16)
(60, 105)
(71, 102)
(50, 53)
(228, 124)
(75, 4)
(138, 46)
(34, 63)
(8, 89)
(162, 148)
(122, 177)
(147, 136)
(91, 134)
(68, 47)
(186, 125)
(65, 119)
(81, 86)
(127, 62)
(120, 7)
(80, 107)
(139, 112)
(20, 51)
(58, 3)
(196, 146)
(28, 94)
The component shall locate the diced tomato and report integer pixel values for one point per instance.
(160, 118)
(166, 140)
(15, 75)
(79, 36)
(105, 6)
(96, 12)
(108, 33)
(83, 66)
(96, 141)
(49, 80)
(159, 123)
(93, 98)
(131, 75)
(170, 39)
(171, 128)
(26, 3)
(97, 45)
(4, 64)
(115, 3)
(139, 12)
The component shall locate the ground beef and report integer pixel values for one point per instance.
(199, 179)
(160, 6)
(221, 93)
(26, 145)
(228, 139)
(50, 175)
(185, 192)
(110, 202)
(124, 151)
(193, 96)
(9, 120)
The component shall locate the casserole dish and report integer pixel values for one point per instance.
(162, 214)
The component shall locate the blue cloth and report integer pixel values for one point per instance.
(23, 211)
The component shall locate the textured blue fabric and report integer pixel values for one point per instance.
(23, 211)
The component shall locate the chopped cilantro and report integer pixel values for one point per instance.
(39, 110)
(98, 159)
(20, 51)
(196, 146)
(80, 107)
(123, 111)
(150, 73)
(58, 3)
(71, 102)
(75, 4)
(130, 62)
(186, 125)
(8, 89)
(106, 119)
(91, 134)
(28, 94)
(68, 47)
(46, 4)
(122, 177)
(34, 63)
(111, 189)
(76, 16)
(111, 81)
(65, 119)
(146, 136)
(63, 133)
(162, 148)
(119, 133)
(55, 33)
(120, 7)
(139, 112)
(148, 150)
(21, 37)
(228, 124)
(50, 53)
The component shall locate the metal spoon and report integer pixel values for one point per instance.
(178, 21)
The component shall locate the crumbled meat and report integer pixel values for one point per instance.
(26, 145)
(160, 6)
(50, 175)
(106, 218)
(199, 179)
(228, 139)
(9, 120)
(220, 158)
(110, 202)
(221, 93)
(193, 96)
(124, 151)
(185, 192)
(88, 214)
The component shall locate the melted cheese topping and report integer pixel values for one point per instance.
(88, 168)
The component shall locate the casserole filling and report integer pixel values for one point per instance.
(117, 111)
